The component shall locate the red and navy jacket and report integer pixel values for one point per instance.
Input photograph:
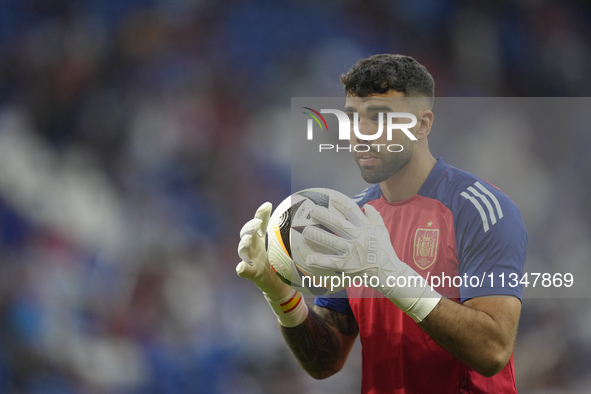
(457, 225)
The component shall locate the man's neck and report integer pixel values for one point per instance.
(409, 179)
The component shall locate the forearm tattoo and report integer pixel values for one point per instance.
(314, 343)
(346, 324)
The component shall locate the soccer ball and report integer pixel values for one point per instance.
(284, 230)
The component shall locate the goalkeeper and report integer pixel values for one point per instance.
(421, 217)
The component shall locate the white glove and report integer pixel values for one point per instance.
(363, 246)
(288, 304)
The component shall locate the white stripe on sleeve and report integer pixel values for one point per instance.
(492, 196)
(360, 196)
(491, 212)
(479, 208)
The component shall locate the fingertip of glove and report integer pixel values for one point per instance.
(312, 233)
(264, 213)
(307, 231)
(241, 268)
(243, 247)
(320, 214)
(250, 227)
(264, 209)
(312, 259)
(370, 211)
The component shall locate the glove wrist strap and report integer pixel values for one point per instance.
(417, 300)
(290, 310)
(422, 307)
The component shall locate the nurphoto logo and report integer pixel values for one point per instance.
(345, 129)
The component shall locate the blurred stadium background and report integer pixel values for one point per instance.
(137, 136)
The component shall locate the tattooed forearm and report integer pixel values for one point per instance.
(316, 345)
(344, 323)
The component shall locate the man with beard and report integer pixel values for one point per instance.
(429, 219)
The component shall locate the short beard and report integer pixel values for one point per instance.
(392, 162)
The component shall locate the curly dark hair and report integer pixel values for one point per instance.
(379, 73)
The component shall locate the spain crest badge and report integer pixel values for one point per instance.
(425, 247)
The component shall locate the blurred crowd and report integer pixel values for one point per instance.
(136, 137)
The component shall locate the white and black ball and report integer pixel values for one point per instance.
(285, 228)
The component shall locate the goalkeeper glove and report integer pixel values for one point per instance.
(287, 304)
(362, 246)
